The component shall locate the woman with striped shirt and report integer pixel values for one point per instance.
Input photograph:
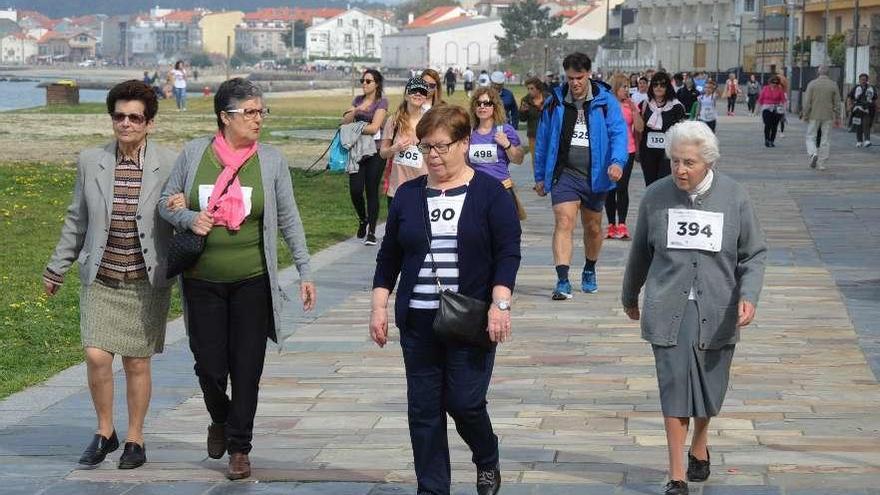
(456, 228)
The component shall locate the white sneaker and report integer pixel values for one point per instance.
(859, 144)
(866, 144)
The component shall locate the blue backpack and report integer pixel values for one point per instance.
(338, 155)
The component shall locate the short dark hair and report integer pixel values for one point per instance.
(866, 76)
(231, 93)
(663, 78)
(451, 118)
(577, 61)
(536, 82)
(134, 90)
(377, 76)
(678, 76)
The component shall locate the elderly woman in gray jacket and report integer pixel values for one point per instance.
(699, 252)
(231, 294)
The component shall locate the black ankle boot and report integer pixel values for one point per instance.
(698, 470)
(676, 487)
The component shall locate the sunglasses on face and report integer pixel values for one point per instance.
(134, 118)
(431, 85)
(485, 104)
(417, 92)
(367, 81)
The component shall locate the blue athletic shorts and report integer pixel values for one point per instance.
(570, 187)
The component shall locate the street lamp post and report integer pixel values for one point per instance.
(739, 35)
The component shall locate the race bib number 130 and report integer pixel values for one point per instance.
(695, 229)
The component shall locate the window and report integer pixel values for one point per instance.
(348, 41)
(838, 24)
(338, 22)
(748, 5)
(354, 23)
(370, 23)
(371, 42)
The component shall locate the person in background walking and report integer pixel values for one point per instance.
(530, 108)
(688, 95)
(821, 109)
(753, 89)
(473, 235)
(706, 111)
(772, 101)
(435, 96)
(369, 107)
(232, 295)
(731, 91)
(113, 229)
(641, 94)
(862, 103)
(449, 79)
(483, 80)
(617, 203)
(468, 81)
(399, 143)
(783, 117)
(701, 289)
(511, 111)
(179, 74)
(660, 112)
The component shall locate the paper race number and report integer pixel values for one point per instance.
(444, 212)
(410, 157)
(580, 137)
(657, 140)
(205, 191)
(483, 153)
(695, 229)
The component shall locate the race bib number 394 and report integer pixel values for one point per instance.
(695, 230)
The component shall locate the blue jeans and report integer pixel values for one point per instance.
(445, 378)
(180, 96)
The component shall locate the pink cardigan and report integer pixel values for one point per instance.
(772, 96)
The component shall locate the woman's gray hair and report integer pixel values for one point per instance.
(232, 93)
(696, 133)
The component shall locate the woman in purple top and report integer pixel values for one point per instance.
(369, 107)
(494, 144)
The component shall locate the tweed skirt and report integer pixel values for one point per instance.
(693, 382)
(128, 319)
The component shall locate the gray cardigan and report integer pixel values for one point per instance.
(87, 222)
(280, 212)
(720, 280)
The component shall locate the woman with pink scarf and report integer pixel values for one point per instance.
(232, 296)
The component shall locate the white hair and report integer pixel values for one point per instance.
(696, 133)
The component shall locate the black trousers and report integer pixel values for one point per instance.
(731, 103)
(655, 165)
(450, 89)
(228, 324)
(863, 130)
(711, 124)
(617, 201)
(366, 183)
(771, 121)
(752, 100)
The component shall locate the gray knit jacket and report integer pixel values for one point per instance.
(720, 280)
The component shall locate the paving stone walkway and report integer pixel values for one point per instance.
(574, 398)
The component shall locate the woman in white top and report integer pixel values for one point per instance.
(706, 112)
(399, 141)
(179, 74)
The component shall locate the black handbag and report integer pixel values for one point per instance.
(460, 318)
(185, 247)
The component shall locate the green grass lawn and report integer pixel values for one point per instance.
(39, 336)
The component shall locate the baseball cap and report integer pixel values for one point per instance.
(497, 77)
(417, 83)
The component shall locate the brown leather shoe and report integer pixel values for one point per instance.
(239, 466)
(216, 440)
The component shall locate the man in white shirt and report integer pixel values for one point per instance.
(468, 81)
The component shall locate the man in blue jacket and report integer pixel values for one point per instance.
(580, 153)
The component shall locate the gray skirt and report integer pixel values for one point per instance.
(128, 320)
(692, 382)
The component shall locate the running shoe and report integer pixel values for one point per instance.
(612, 231)
(859, 144)
(589, 284)
(813, 160)
(622, 231)
(866, 144)
(370, 240)
(362, 230)
(562, 291)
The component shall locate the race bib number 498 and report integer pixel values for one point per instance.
(483, 153)
(695, 230)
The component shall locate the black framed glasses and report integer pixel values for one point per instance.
(442, 148)
(251, 113)
(367, 81)
(419, 92)
(431, 85)
(485, 104)
(659, 84)
(134, 118)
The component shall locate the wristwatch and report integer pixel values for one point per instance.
(503, 304)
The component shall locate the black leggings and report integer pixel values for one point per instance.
(771, 120)
(655, 165)
(731, 103)
(863, 130)
(366, 182)
(617, 201)
(752, 100)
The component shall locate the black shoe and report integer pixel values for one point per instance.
(216, 440)
(370, 240)
(772, 144)
(698, 470)
(766, 143)
(133, 456)
(98, 449)
(676, 487)
(488, 481)
(362, 230)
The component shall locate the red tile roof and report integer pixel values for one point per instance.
(287, 14)
(183, 16)
(431, 16)
(37, 17)
(53, 35)
(583, 13)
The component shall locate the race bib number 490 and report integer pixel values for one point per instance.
(483, 153)
(657, 140)
(695, 229)
(443, 212)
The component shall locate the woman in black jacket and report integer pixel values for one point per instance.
(660, 112)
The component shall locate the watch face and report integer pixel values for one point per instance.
(503, 305)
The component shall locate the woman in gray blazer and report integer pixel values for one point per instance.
(231, 295)
(113, 230)
(699, 252)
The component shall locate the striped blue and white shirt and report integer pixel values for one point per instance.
(444, 210)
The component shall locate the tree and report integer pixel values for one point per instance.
(200, 60)
(419, 7)
(525, 20)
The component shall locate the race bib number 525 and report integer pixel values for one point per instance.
(695, 229)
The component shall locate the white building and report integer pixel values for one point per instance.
(354, 33)
(10, 14)
(589, 23)
(17, 48)
(467, 43)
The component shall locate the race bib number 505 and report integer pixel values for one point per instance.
(695, 229)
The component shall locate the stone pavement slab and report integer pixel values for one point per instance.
(573, 397)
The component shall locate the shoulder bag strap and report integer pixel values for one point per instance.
(424, 202)
(228, 184)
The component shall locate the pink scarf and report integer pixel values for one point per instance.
(230, 211)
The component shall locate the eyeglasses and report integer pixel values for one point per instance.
(485, 104)
(431, 85)
(442, 148)
(659, 85)
(367, 81)
(134, 118)
(251, 113)
(417, 92)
